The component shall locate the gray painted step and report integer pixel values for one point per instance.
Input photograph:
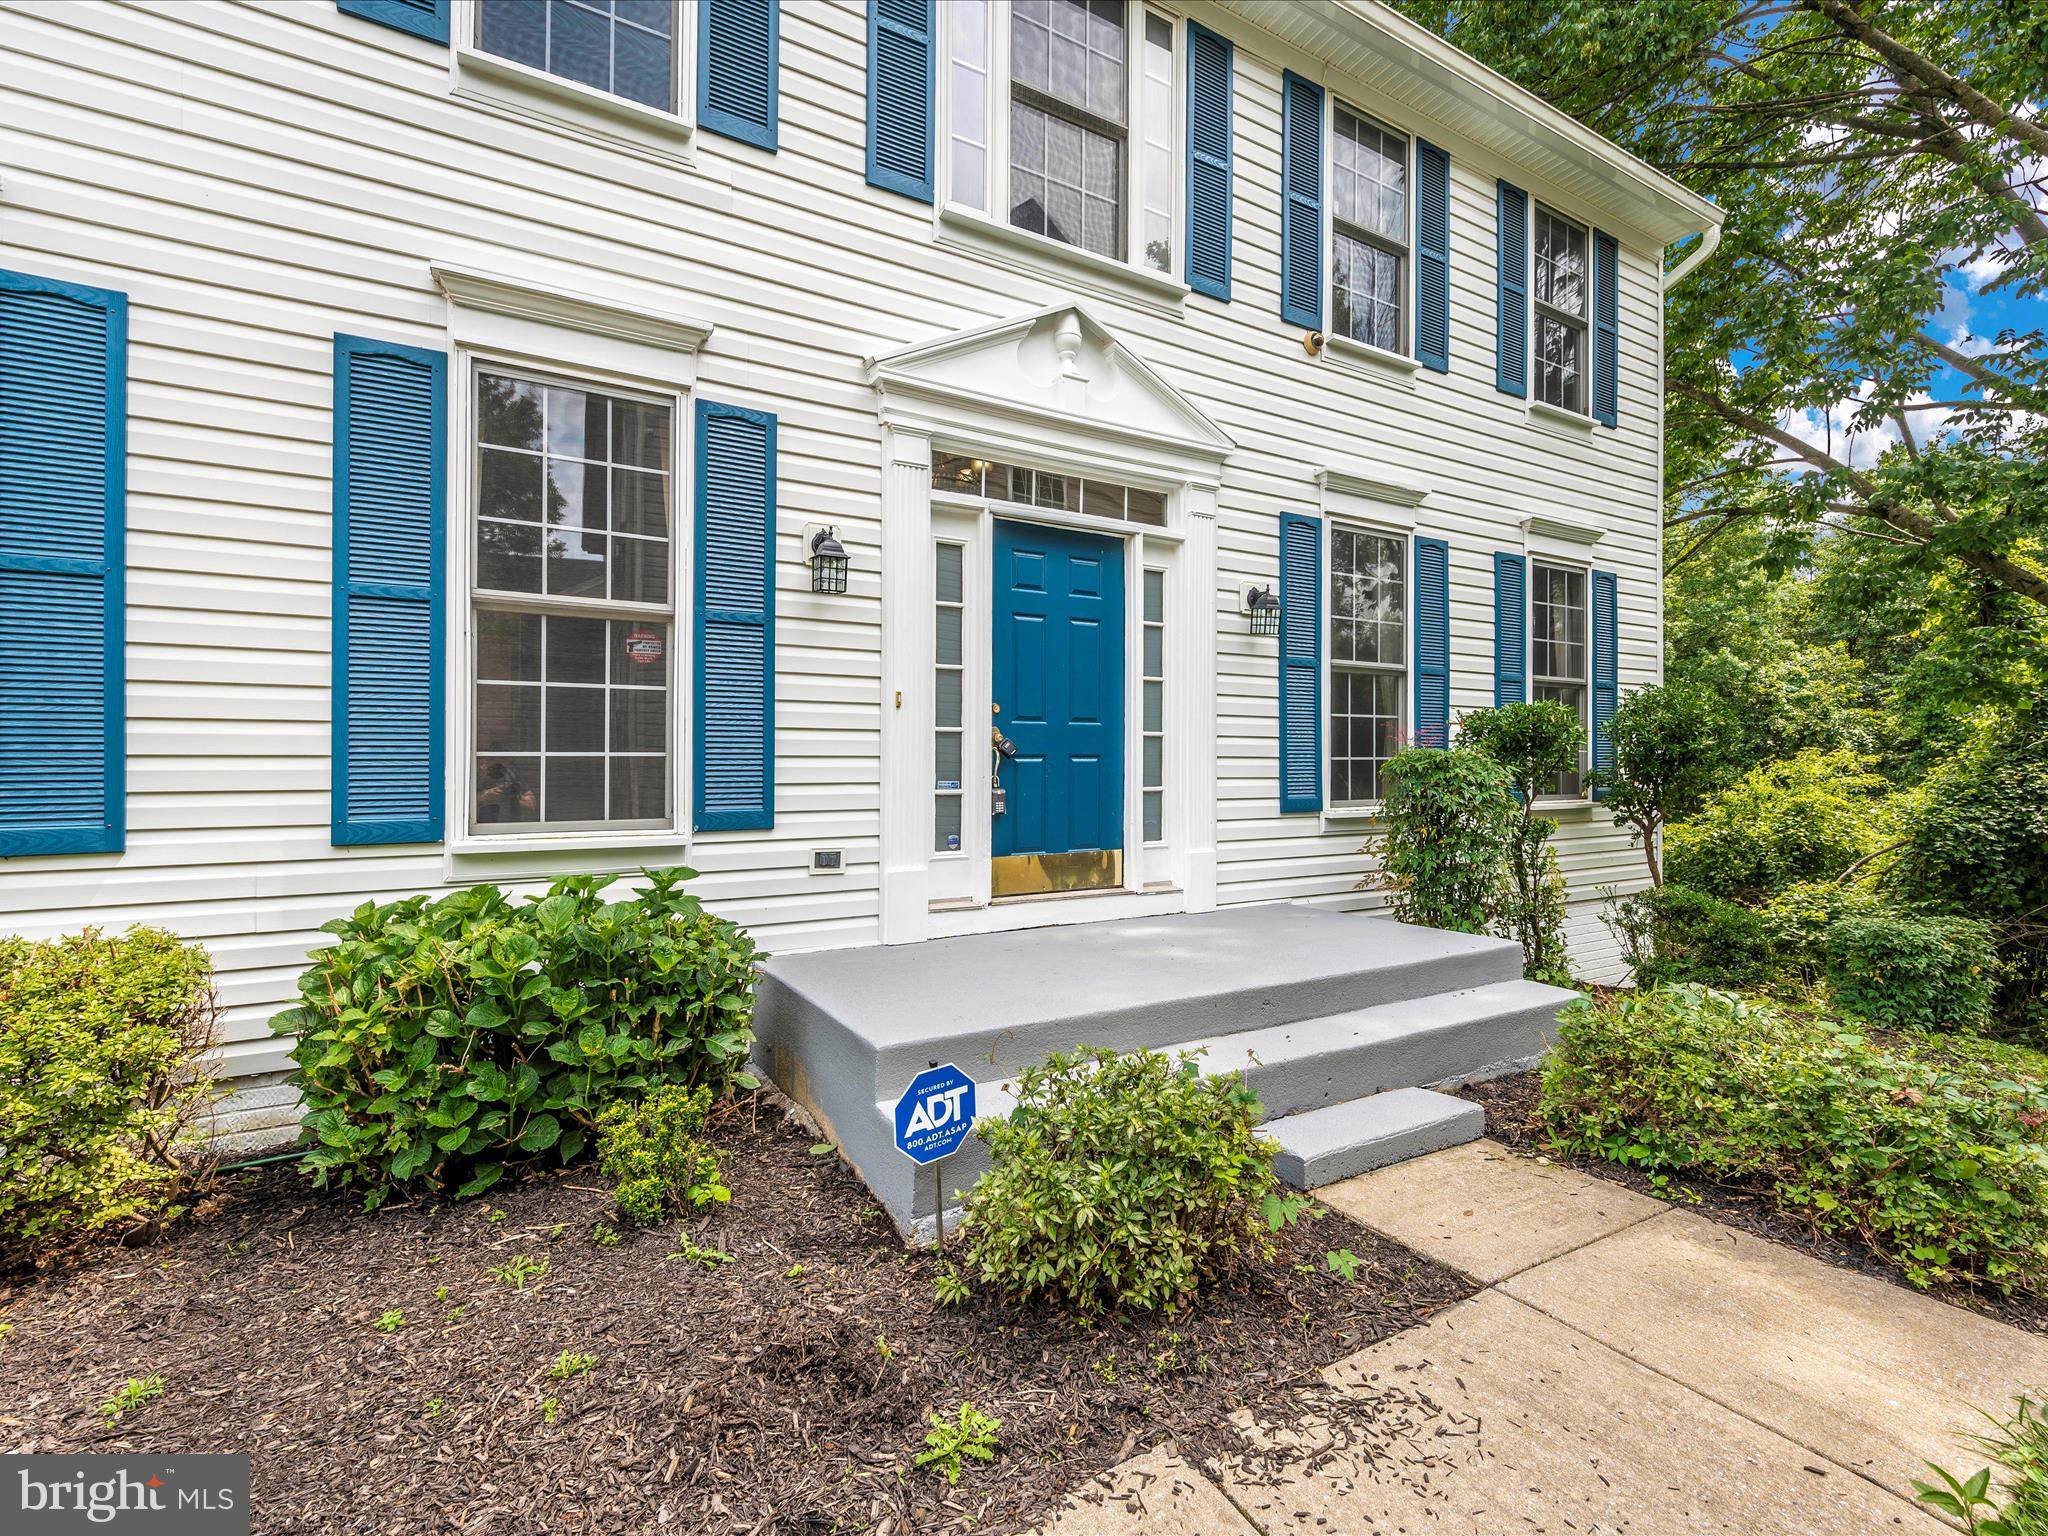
(1321, 1146)
(999, 1002)
(1473, 1032)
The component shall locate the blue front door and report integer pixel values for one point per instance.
(1059, 696)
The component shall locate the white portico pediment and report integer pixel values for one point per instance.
(1057, 373)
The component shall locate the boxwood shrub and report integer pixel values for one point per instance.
(1120, 1181)
(441, 1042)
(1911, 971)
(102, 1072)
(1936, 1161)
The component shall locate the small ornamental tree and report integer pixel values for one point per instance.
(1448, 822)
(1670, 745)
(1535, 743)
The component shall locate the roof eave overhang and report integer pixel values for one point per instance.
(1363, 41)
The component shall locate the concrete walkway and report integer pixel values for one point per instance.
(1630, 1367)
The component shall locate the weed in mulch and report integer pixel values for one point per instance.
(1511, 1118)
(785, 1387)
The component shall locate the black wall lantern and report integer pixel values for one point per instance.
(1262, 606)
(829, 562)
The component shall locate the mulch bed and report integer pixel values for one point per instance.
(784, 1391)
(1510, 1104)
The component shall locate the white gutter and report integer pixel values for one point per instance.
(1709, 243)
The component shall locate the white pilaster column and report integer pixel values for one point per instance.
(907, 577)
(1195, 783)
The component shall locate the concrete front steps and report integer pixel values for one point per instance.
(1338, 1022)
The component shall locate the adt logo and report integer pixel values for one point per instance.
(934, 1114)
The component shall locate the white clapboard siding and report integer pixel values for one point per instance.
(257, 177)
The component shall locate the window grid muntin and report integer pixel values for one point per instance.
(627, 20)
(620, 618)
(949, 680)
(1369, 239)
(964, 474)
(1368, 642)
(1560, 288)
(1152, 706)
(1561, 653)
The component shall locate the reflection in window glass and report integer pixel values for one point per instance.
(1559, 654)
(1368, 659)
(1369, 229)
(1560, 294)
(965, 475)
(1068, 117)
(571, 608)
(621, 47)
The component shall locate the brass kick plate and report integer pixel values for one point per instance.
(1039, 874)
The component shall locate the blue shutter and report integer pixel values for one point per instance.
(1432, 643)
(735, 602)
(1301, 663)
(422, 18)
(390, 466)
(902, 85)
(1510, 628)
(1432, 257)
(63, 500)
(1606, 328)
(1301, 202)
(738, 46)
(1511, 247)
(1606, 672)
(1210, 60)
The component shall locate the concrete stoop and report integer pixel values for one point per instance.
(1338, 1021)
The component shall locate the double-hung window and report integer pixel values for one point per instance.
(1368, 230)
(1060, 119)
(1368, 666)
(572, 608)
(624, 48)
(1561, 294)
(1559, 654)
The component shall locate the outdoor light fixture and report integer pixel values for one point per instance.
(1262, 606)
(828, 562)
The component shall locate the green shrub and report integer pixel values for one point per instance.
(1942, 1168)
(1447, 827)
(1807, 817)
(1535, 743)
(442, 1041)
(1674, 933)
(653, 1150)
(1908, 971)
(102, 1043)
(1119, 1181)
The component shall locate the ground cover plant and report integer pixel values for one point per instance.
(442, 1041)
(102, 1039)
(654, 1152)
(1939, 1163)
(2009, 1497)
(1122, 1181)
(747, 1396)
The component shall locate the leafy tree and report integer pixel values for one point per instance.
(1811, 816)
(1535, 743)
(1670, 744)
(1880, 163)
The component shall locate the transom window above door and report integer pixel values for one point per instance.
(571, 608)
(965, 475)
(625, 48)
(1061, 120)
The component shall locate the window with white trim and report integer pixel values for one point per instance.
(1560, 293)
(1153, 707)
(1061, 119)
(948, 680)
(965, 475)
(1368, 660)
(1369, 238)
(572, 608)
(1559, 656)
(624, 48)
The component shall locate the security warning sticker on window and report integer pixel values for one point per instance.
(644, 647)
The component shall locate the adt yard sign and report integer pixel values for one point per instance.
(934, 1114)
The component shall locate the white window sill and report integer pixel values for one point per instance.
(1351, 818)
(537, 96)
(1363, 357)
(1557, 419)
(1574, 809)
(972, 230)
(589, 840)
